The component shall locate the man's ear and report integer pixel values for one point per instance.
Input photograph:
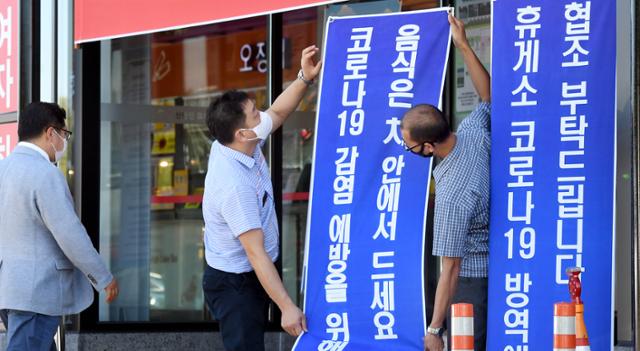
(429, 147)
(238, 135)
(49, 131)
(241, 135)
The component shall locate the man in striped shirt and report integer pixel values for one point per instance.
(241, 229)
(461, 219)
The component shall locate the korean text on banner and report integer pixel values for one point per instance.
(553, 165)
(365, 245)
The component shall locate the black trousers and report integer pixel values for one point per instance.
(473, 291)
(239, 303)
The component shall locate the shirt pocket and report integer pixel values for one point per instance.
(265, 203)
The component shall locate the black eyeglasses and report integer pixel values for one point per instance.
(66, 135)
(411, 148)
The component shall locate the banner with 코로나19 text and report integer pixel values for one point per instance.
(553, 166)
(364, 287)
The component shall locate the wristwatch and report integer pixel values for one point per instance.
(302, 78)
(436, 331)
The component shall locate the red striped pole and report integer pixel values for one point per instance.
(462, 327)
(564, 327)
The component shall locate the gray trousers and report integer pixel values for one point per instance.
(475, 292)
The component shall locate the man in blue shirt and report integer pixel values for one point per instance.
(241, 229)
(461, 219)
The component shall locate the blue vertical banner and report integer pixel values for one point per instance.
(364, 287)
(552, 168)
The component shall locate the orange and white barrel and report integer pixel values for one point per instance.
(462, 327)
(582, 339)
(564, 327)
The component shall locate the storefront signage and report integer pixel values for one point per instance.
(94, 19)
(8, 138)
(9, 55)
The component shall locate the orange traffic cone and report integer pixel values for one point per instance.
(564, 327)
(582, 340)
(462, 327)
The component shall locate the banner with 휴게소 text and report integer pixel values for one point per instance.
(553, 167)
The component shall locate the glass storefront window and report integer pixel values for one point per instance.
(154, 155)
(155, 148)
(300, 29)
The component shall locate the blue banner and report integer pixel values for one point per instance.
(366, 235)
(553, 166)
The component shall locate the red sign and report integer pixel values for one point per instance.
(243, 54)
(107, 19)
(8, 138)
(9, 50)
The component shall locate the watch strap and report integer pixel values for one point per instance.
(302, 78)
(435, 331)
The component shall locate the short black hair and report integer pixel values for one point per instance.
(37, 117)
(426, 124)
(226, 114)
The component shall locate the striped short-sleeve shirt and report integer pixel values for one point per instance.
(238, 197)
(461, 218)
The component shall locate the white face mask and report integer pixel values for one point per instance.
(59, 154)
(263, 129)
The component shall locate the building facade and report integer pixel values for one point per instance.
(136, 104)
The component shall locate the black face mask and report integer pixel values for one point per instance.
(420, 151)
